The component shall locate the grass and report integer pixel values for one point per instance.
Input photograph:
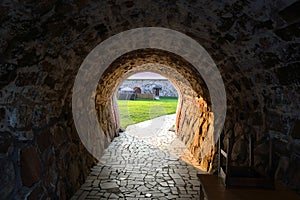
(135, 111)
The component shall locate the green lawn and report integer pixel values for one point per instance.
(135, 111)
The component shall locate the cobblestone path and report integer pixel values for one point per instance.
(137, 167)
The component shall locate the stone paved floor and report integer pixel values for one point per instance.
(143, 166)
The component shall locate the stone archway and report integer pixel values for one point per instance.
(164, 42)
(192, 106)
(137, 90)
(254, 44)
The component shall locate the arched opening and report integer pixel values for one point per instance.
(193, 117)
(145, 105)
(137, 90)
(175, 52)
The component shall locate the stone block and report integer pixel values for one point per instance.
(39, 117)
(2, 114)
(290, 13)
(239, 150)
(51, 174)
(6, 141)
(290, 32)
(269, 59)
(289, 74)
(274, 121)
(44, 139)
(26, 79)
(31, 167)
(238, 129)
(256, 118)
(8, 178)
(295, 133)
(19, 116)
(36, 194)
(8, 73)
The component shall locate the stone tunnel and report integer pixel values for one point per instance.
(193, 112)
(254, 44)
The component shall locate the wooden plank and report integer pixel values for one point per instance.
(251, 151)
(213, 188)
(223, 153)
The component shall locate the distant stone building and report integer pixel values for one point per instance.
(144, 82)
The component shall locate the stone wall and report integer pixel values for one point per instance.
(146, 86)
(193, 113)
(192, 125)
(255, 45)
(41, 155)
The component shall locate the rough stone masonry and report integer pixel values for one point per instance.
(255, 45)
